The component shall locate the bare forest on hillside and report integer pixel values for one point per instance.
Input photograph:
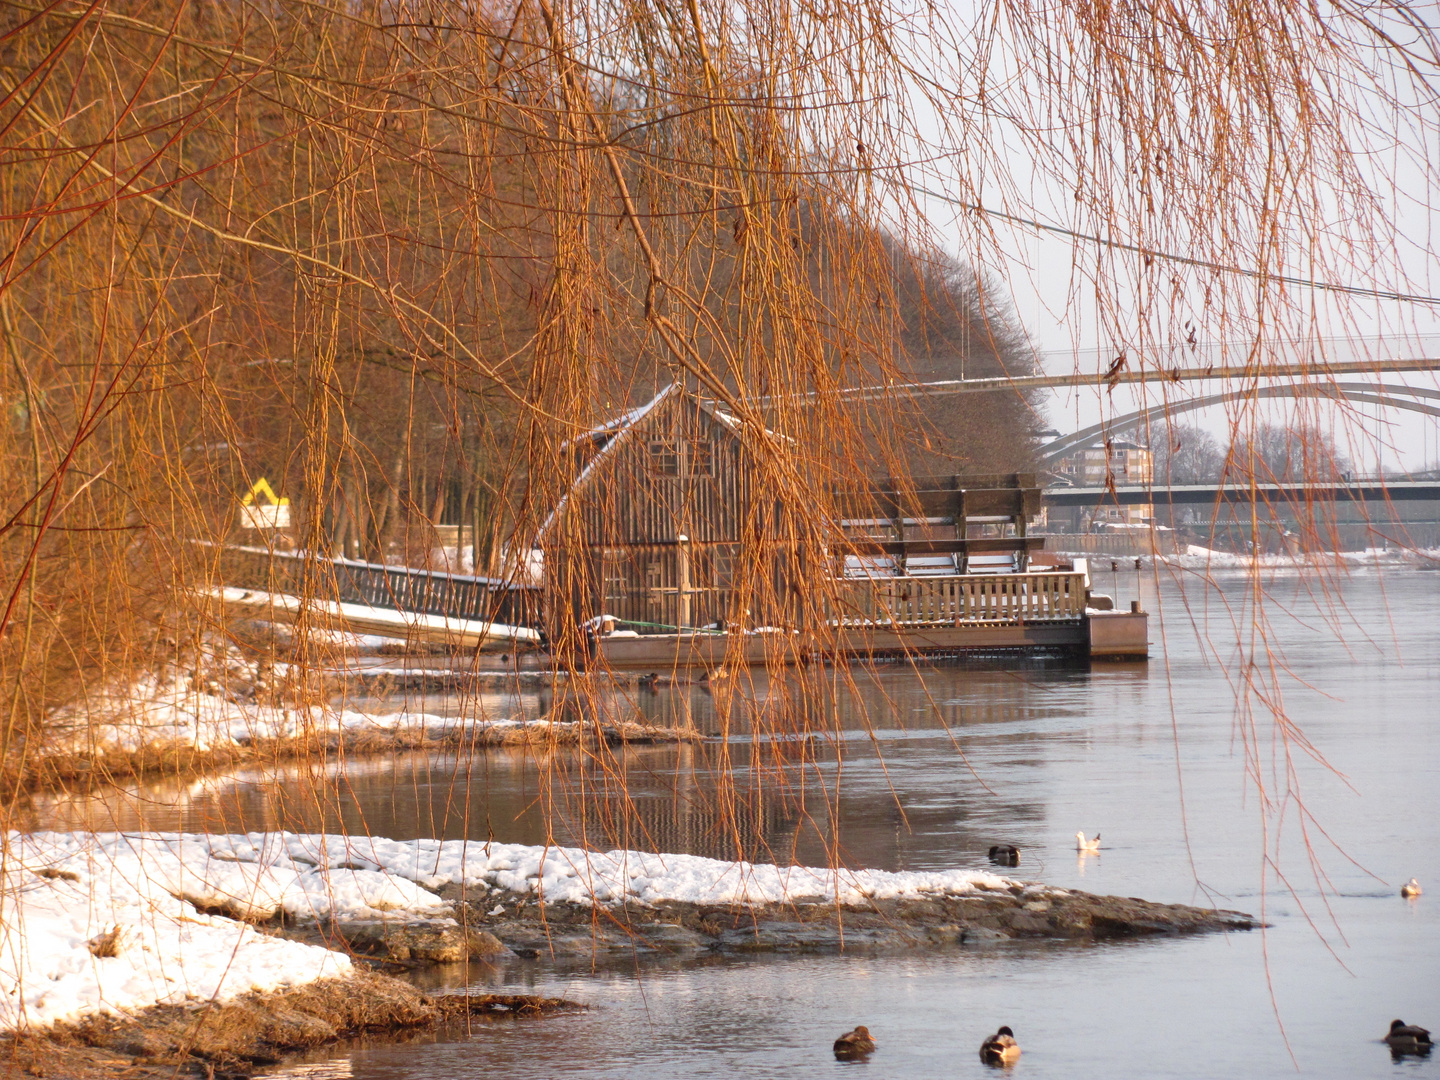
(396, 255)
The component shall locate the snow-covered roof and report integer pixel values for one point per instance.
(737, 425)
(617, 423)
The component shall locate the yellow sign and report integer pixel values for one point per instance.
(272, 514)
(262, 487)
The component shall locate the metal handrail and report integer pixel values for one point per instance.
(402, 588)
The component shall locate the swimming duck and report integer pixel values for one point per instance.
(855, 1043)
(1081, 844)
(1408, 1038)
(1005, 855)
(1000, 1048)
(1411, 888)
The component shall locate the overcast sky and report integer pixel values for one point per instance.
(1040, 272)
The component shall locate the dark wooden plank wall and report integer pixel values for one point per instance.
(624, 503)
(617, 547)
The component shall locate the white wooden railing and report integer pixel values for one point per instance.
(1042, 596)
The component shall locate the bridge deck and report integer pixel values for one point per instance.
(1209, 494)
(386, 622)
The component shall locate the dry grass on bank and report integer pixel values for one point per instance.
(258, 1030)
(112, 766)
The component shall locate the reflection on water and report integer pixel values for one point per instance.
(333, 1069)
(1189, 789)
(862, 789)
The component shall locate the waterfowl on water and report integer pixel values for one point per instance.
(1081, 844)
(855, 1043)
(1005, 855)
(1000, 1048)
(1411, 888)
(1408, 1038)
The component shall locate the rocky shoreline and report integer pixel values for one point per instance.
(212, 954)
(81, 770)
(502, 926)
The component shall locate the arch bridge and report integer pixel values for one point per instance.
(1393, 395)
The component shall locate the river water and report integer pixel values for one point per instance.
(1179, 764)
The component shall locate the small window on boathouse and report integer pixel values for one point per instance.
(664, 458)
(682, 458)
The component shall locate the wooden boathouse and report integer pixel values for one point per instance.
(667, 517)
(668, 551)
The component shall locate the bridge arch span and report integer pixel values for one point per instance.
(1393, 395)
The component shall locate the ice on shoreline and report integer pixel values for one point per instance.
(1201, 558)
(63, 890)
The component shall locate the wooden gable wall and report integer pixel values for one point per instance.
(616, 547)
(677, 472)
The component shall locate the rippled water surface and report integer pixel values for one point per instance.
(1174, 763)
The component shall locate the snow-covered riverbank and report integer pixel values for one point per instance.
(141, 945)
(159, 713)
(174, 725)
(1196, 557)
(115, 922)
(107, 938)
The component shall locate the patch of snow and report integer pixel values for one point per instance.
(453, 559)
(167, 952)
(1196, 557)
(265, 870)
(158, 712)
(342, 640)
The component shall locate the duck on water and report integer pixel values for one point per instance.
(1000, 1048)
(1408, 1039)
(855, 1044)
(1005, 855)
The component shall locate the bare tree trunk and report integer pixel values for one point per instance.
(386, 521)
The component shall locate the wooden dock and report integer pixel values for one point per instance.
(902, 617)
(1103, 635)
(1044, 609)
